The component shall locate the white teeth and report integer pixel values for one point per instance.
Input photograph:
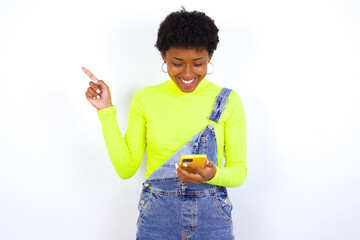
(187, 82)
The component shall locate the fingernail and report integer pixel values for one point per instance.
(176, 165)
(207, 162)
(98, 91)
(98, 96)
(185, 165)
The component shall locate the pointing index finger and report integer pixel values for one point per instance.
(90, 74)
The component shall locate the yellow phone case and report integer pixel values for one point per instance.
(198, 160)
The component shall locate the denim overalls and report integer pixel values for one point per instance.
(171, 210)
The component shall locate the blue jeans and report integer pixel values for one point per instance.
(170, 209)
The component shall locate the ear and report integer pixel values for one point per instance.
(163, 56)
(210, 56)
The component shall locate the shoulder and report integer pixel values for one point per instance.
(235, 103)
(234, 107)
(142, 97)
(150, 90)
(236, 111)
(233, 99)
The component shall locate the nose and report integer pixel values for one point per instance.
(188, 71)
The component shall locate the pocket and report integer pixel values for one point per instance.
(144, 202)
(223, 203)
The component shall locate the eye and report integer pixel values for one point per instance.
(177, 64)
(198, 64)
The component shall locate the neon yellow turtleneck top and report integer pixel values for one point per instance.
(163, 118)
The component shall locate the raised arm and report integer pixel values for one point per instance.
(126, 152)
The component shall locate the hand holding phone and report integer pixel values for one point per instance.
(197, 160)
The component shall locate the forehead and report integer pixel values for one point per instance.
(186, 53)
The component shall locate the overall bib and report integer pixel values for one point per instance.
(171, 210)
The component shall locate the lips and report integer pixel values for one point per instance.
(187, 82)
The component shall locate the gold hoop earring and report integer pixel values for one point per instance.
(162, 67)
(213, 68)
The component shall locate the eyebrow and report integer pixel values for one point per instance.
(183, 59)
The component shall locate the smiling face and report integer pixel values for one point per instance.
(186, 67)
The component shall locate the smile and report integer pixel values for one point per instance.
(187, 82)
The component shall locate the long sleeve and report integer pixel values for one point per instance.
(126, 152)
(235, 171)
(162, 119)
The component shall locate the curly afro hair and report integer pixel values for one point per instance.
(187, 30)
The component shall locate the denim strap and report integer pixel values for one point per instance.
(220, 104)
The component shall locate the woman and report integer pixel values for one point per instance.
(185, 115)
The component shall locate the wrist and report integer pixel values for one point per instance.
(104, 107)
(213, 175)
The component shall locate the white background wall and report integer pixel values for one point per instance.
(295, 64)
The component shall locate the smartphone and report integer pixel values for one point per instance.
(198, 160)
